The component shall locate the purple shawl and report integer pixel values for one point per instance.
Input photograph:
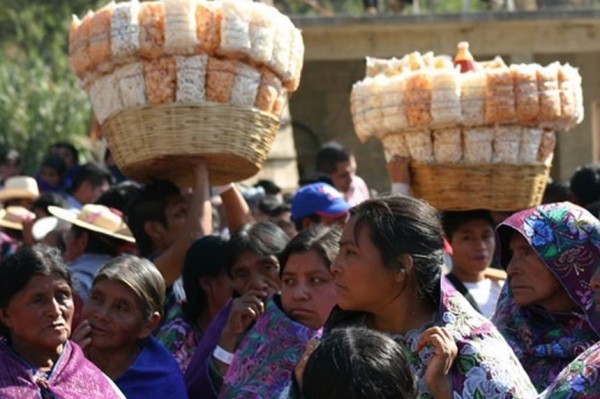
(567, 240)
(72, 377)
(265, 359)
(197, 378)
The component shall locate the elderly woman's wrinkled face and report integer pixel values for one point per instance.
(362, 281)
(255, 272)
(39, 316)
(307, 293)
(532, 283)
(115, 315)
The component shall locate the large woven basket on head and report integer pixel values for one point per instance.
(497, 187)
(165, 141)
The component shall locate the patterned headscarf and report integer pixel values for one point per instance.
(566, 238)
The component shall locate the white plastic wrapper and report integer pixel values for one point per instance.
(472, 99)
(394, 145)
(419, 145)
(261, 32)
(280, 58)
(394, 113)
(507, 140)
(105, 97)
(125, 31)
(235, 27)
(527, 104)
(547, 144)
(447, 145)
(571, 96)
(131, 84)
(296, 60)
(180, 26)
(245, 85)
(358, 107)
(530, 144)
(550, 104)
(191, 78)
(478, 145)
(445, 98)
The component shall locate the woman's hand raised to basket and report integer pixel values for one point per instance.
(445, 351)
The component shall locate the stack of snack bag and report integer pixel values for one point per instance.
(236, 53)
(443, 111)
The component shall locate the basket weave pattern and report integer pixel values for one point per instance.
(497, 187)
(165, 141)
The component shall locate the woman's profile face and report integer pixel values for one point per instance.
(39, 316)
(115, 315)
(362, 282)
(251, 271)
(307, 293)
(532, 283)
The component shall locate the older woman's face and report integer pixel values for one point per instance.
(39, 316)
(532, 283)
(362, 282)
(255, 272)
(307, 292)
(115, 315)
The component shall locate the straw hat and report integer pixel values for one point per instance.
(19, 187)
(97, 218)
(42, 226)
(13, 216)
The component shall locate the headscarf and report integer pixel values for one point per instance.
(566, 238)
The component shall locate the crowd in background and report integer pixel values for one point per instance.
(116, 288)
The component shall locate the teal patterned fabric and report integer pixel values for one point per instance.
(265, 359)
(566, 237)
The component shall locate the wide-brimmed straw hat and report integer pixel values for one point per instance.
(97, 218)
(19, 187)
(13, 216)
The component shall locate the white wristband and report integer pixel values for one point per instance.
(218, 190)
(222, 355)
(400, 188)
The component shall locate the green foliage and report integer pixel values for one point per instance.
(39, 100)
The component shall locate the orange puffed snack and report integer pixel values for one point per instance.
(160, 77)
(152, 29)
(100, 52)
(269, 90)
(208, 22)
(219, 80)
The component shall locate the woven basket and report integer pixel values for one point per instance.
(497, 187)
(165, 141)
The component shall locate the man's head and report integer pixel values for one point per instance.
(10, 164)
(338, 164)
(89, 182)
(156, 216)
(67, 152)
(318, 203)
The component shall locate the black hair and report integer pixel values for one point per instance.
(272, 207)
(94, 173)
(261, 238)
(269, 186)
(55, 162)
(330, 154)
(204, 258)
(585, 184)
(98, 243)
(149, 204)
(322, 239)
(314, 218)
(452, 221)
(49, 198)
(67, 146)
(404, 225)
(119, 195)
(17, 269)
(556, 191)
(358, 363)
(10, 156)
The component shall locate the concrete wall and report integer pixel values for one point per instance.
(336, 47)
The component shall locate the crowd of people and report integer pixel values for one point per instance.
(111, 288)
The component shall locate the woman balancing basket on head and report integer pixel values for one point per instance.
(479, 135)
(176, 80)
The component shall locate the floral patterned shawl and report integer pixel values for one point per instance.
(265, 359)
(72, 377)
(485, 367)
(567, 239)
(580, 379)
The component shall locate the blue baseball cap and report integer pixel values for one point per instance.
(320, 199)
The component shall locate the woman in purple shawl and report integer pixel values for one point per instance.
(125, 305)
(254, 269)
(388, 278)
(264, 360)
(545, 309)
(36, 310)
